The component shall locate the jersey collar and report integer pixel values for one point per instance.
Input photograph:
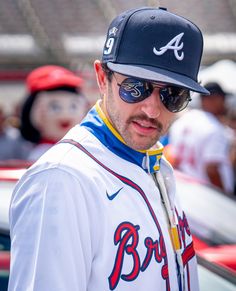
(99, 125)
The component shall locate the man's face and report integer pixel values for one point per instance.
(140, 124)
(54, 113)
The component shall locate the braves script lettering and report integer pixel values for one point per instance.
(127, 239)
(174, 45)
(183, 227)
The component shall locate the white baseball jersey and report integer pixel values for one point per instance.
(38, 151)
(88, 216)
(199, 138)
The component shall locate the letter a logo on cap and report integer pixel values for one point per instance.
(174, 45)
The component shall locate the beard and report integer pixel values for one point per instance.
(125, 129)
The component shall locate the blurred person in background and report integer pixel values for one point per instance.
(13, 147)
(55, 103)
(231, 123)
(199, 141)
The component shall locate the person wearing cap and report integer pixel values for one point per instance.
(200, 143)
(54, 104)
(99, 210)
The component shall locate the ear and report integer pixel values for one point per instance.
(101, 77)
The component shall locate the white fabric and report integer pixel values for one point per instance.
(38, 151)
(67, 223)
(199, 138)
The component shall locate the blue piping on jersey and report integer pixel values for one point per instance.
(97, 123)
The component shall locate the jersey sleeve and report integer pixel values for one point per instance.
(49, 227)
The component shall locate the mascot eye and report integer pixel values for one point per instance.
(55, 107)
(74, 106)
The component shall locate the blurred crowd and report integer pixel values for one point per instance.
(201, 141)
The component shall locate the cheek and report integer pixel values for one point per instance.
(43, 117)
(167, 120)
(50, 118)
(37, 115)
(114, 107)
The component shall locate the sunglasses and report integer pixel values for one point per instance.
(133, 90)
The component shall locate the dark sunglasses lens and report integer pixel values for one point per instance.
(175, 99)
(134, 90)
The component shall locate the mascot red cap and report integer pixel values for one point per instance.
(49, 77)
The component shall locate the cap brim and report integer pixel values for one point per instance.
(157, 74)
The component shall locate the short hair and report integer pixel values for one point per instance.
(214, 89)
(107, 71)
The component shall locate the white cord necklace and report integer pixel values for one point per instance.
(159, 181)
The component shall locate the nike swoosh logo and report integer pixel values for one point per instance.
(112, 196)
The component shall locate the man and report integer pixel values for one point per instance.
(98, 211)
(200, 140)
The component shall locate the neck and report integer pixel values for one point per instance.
(99, 125)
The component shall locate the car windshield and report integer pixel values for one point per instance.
(211, 214)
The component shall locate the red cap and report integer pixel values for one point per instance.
(50, 77)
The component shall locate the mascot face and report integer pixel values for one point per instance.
(54, 113)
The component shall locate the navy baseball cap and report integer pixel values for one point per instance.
(154, 44)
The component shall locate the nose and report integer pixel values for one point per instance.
(152, 105)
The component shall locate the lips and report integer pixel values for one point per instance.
(144, 128)
(146, 124)
(65, 124)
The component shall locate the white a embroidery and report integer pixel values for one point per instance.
(174, 45)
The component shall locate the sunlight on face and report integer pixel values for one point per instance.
(141, 124)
